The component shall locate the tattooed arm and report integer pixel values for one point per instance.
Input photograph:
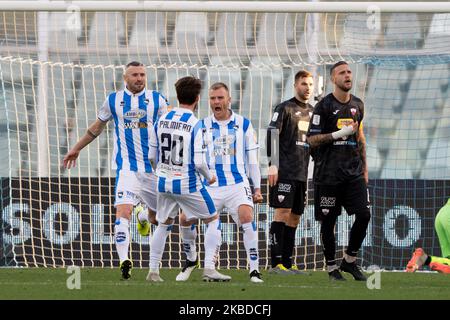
(319, 139)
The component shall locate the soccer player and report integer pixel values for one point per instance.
(178, 148)
(288, 154)
(134, 110)
(340, 169)
(440, 264)
(231, 148)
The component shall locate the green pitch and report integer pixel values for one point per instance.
(43, 283)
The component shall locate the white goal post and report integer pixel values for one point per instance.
(60, 59)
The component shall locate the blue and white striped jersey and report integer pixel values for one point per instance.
(134, 116)
(178, 136)
(228, 143)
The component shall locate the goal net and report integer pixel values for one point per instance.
(57, 67)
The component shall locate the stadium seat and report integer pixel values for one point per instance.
(394, 167)
(147, 42)
(106, 35)
(261, 94)
(436, 164)
(405, 31)
(374, 161)
(438, 38)
(231, 39)
(357, 37)
(190, 39)
(275, 37)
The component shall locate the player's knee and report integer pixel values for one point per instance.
(245, 214)
(363, 216)
(124, 211)
(246, 217)
(152, 217)
(293, 220)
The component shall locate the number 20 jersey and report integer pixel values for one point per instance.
(178, 136)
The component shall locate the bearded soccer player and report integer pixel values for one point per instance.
(233, 157)
(340, 176)
(178, 148)
(134, 110)
(288, 171)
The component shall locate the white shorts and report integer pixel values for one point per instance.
(133, 187)
(195, 205)
(231, 197)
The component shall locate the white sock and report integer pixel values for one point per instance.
(157, 245)
(251, 245)
(143, 215)
(122, 238)
(188, 238)
(213, 240)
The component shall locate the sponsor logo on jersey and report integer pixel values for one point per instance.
(284, 187)
(327, 201)
(135, 125)
(325, 211)
(224, 140)
(303, 125)
(344, 122)
(135, 114)
(344, 143)
(281, 198)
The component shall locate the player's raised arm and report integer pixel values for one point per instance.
(92, 132)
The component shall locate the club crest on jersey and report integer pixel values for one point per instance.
(122, 103)
(134, 114)
(353, 111)
(146, 101)
(281, 198)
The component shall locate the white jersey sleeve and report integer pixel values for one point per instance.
(251, 140)
(104, 113)
(164, 106)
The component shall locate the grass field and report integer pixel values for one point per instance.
(42, 283)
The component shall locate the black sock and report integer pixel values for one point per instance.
(288, 246)
(328, 239)
(276, 241)
(358, 232)
(428, 261)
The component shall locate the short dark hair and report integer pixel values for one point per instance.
(219, 85)
(134, 64)
(302, 74)
(188, 89)
(337, 64)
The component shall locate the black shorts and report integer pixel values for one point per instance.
(329, 199)
(288, 194)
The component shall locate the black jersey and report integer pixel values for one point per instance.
(291, 118)
(338, 161)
